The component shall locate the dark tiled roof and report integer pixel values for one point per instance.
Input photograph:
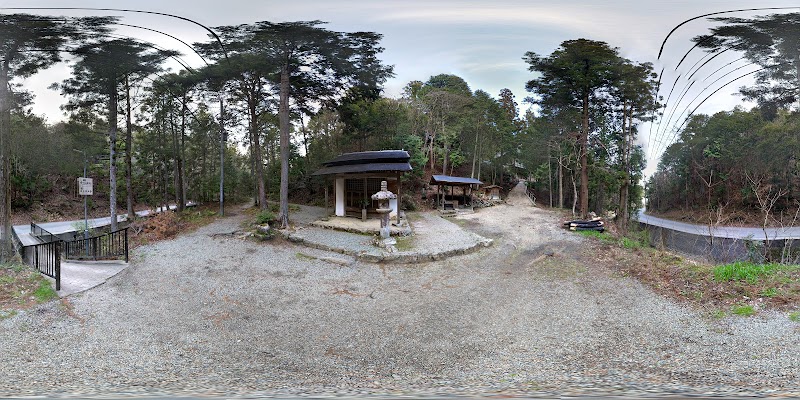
(365, 157)
(367, 161)
(453, 180)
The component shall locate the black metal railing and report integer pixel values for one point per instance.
(42, 234)
(109, 246)
(46, 258)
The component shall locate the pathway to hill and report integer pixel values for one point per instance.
(537, 313)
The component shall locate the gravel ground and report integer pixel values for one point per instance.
(211, 314)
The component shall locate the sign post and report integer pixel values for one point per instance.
(85, 189)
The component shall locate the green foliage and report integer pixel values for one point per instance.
(748, 271)
(743, 310)
(595, 234)
(729, 158)
(763, 41)
(794, 316)
(45, 292)
(636, 241)
(265, 217)
(769, 292)
(755, 250)
(585, 89)
(629, 243)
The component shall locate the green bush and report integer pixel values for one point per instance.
(265, 217)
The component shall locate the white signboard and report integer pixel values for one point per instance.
(85, 187)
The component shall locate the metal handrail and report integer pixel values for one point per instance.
(107, 246)
(46, 258)
(43, 234)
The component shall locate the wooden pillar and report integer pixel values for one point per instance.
(365, 210)
(399, 196)
(327, 214)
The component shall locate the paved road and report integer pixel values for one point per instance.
(730, 232)
(57, 228)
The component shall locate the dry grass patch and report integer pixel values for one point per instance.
(167, 225)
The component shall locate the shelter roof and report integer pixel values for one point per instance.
(357, 168)
(453, 180)
(367, 161)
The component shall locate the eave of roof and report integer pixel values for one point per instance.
(454, 180)
(367, 157)
(358, 168)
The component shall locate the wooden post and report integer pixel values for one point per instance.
(399, 198)
(326, 198)
(366, 196)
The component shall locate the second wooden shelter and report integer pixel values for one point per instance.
(453, 201)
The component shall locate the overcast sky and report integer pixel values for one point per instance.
(480, 41)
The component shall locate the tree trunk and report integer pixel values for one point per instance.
(623, 189)
(550, 175)
(584, 162)
(574, 194)
(480, 159)
(283, 116)
(446, 150)
(181, 160)
(176, 177)
(112, 153)
(474, 153)
(128, 150)
(560, 181)
(223, 142)
(6, 246)
(258, 159)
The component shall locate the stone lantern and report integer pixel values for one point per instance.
(385, 240)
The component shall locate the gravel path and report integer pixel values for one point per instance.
(211, 314)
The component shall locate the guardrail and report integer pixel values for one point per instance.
(43, 234)
(109, 246)
(46, 258)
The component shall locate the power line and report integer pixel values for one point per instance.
(214, 34)
(660, 51)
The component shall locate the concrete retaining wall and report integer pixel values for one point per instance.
(715, 249)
